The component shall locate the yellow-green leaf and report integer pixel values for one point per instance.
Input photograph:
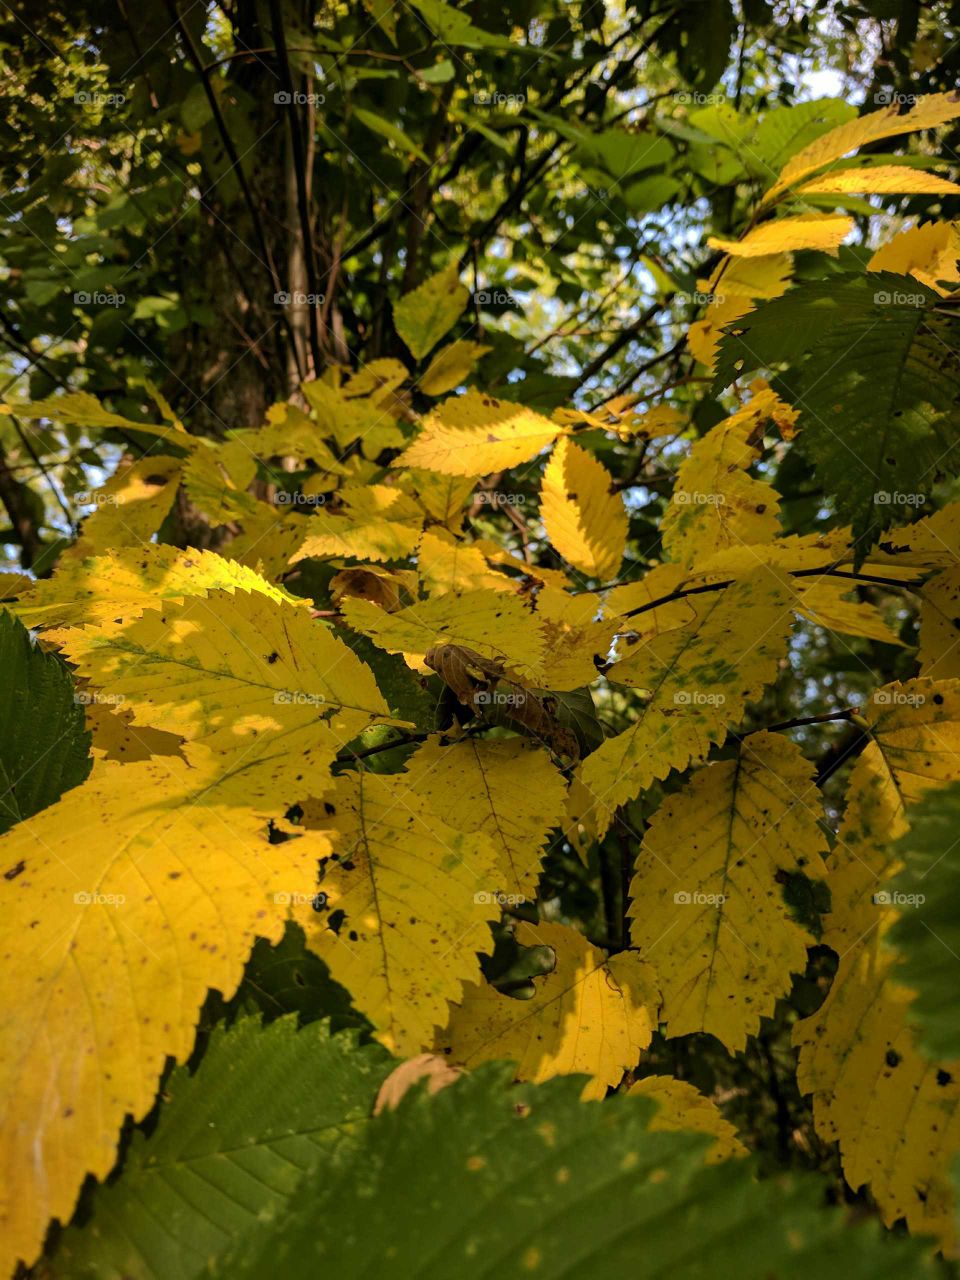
(510, 790)
(451, 366)
(590, 1014)
(109, 587)
(708, 905)
(495, 625)
(406, 908)
(239, 672)
(696, 680)
(682, 1108)
(424, 315)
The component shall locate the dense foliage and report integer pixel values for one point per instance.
(480, 700)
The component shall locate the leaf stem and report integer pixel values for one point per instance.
(826, 571)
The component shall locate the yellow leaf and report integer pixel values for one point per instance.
(290, 433)
(529, 574)
(238, 672)
(476, 433)
(661, 420)
(879, 180)
(216, 481)
(451, 366)
(818, 599)
(895, 1114)
(708, 907)
(703, 335)
(345, 418)
(575, 637)
(749, 277)
(115, 737)
(123, 586)
(442, 497)
(716, 503)
(507, 789)
(930, 543)
(931, 110)
(378, 522)
(585, 521)
(494, 625)
(130, 507)
(823, 231)
(413, 901)
(682, 1108)
(656, 585)
(929, 252)
(697, 680)
(377, 378)
(424, 315)
(914, 731)
(384, 587)
(589, 1014)
(265, 543)
(939, 654)
(447, 564)
(119, 938)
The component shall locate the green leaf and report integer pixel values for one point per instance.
(409, 697)
(231, 1145)
(44, 744)
(287, 978)
(387, 129)
(451, 26)
(439, 73)
(787, 130)
(875, 374)
(927, 934)
(484, 1180)
(423, 316)
(384, 15)
(195, 109)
